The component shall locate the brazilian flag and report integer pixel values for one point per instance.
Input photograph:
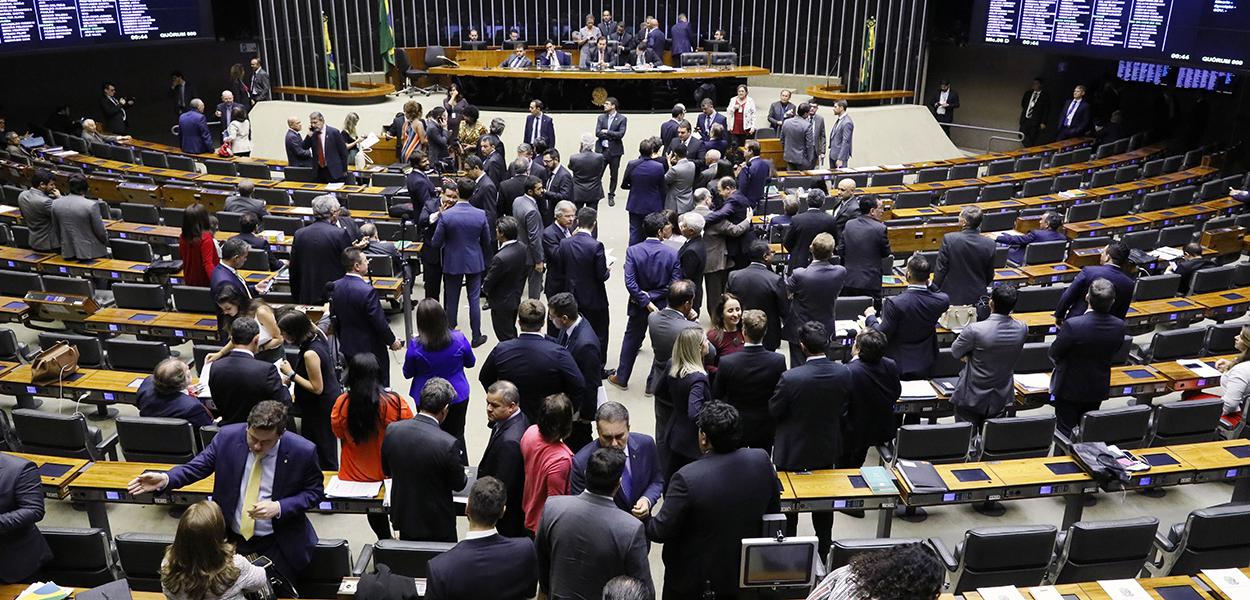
(332, 70)
(869, 56)
(386, 34)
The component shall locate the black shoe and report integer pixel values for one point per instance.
(478, 341)
(606, 373)
(611, 200)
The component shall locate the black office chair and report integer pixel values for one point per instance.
(408, 558)
(968, 171)
(1115, 207)
(1210, 538)
(387, 179)
(1098, 550)
(90, 349)
(932, 174)
(1005, 438)
(172, 216)
(140, 296)
(253, 170)
(156, 439)
(1078, 213)
(1186, 422)
(17, 283)
(1037, 187)
(1104, 150)
(996, 192)
(942, 443)
(300, 174)
(76, 286)
(1182, 196)
(68, 436)
(132, 250)
(1127, 173)
(230, 221)
(913, 199)
(1212, 190)
(1067, 181)
(367, 202)
(1212, 279)
(694, 59)
(304, 198)
(272, 196)
(180, 163)
(221, 167)
(1154, 201)
(1028, 163)
(1034, 358)
(287, 225)
(1126, 427)
(1220, 338)
(140, 555)
(152, 158)
(81, 557)
(1034, 298)
(890, 178)
(1145, 240)
(1152, 168)
(850, 307)
(1170, 345)
(999, 221)
(963, 195)
(998, 167)
(1042, 253)
(1156, 287)
(136, 355)
(1102, 178)
(331, 561)
(998, 556)
(207, 433)
(1177, 236)
(194, 299)
(257, 260)
(140, 213)
(842, 551)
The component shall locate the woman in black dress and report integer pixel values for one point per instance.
(679, 397)
(316, 385)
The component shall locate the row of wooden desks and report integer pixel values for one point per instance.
(1198, 588)
(1193, 213)
(1045, 149)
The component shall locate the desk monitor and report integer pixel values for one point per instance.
(478, 45)
(1178, 592)
(767, 562)
(53, 470)
(513, 44)
(716, 45)
(724, 59)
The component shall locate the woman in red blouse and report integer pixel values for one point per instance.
(726, 332)
(196, 247)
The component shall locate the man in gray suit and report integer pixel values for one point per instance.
(585, 540)
(679, 181)
(587, 167)
(664, 325)
(525, 211)
(813, 291)
(242, 201)
(989, 350)
(798, 140)
(79, 224)
(840, 140)
(965, 263)
(36, 208)
(818, 126)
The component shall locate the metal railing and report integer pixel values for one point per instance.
(1016, 137)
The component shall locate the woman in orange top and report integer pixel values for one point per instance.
(359, 419)
(196, 247)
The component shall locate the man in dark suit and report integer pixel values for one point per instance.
(758, 287)
(225, 109)
(644, 178)
(587, 168)
(518, 60)
(909, 322)
(559, 184)
(863, 246)
(493, 163)
(781, 110)
(249, 225)
(505, 280)
(180, 91)
(710, 506)
(22, 548)
(989, 350)
(1114, 263)
(575, 334)
(537, 365)
(643, 479)
(735, 209)
(1049, 231)
(502, 458)
(514, 186)
(80, 227)
(457, 574)
(317, 252)
(561, 228)
(264, 479)
(1191, 262)
(805, 226)
(374, 246)
(965, 262)
(602, 56)
(942, 103)
(692, 256)
(754, 174)
(1034, 111)
(1075, 120)
(798, 140)
(809, 405)
(641, 56)
(875, 390)
(356, 311)
(684, 136)
(425, 467)
(746, 379)
(113, 110)
(682, 38)
(164, 394)
(242, 201)
(654, 38)
(580, 267)
(329, 151)
(584, 540)
(668, 129)
(528, 214)
(552, 57)
(427, 200)
(193, 134)
(464, 237)
(438, 138)
(814, 291)
(709, 117)
(486, 194)
(538, 126)
(845, 205)
(226, 273)
(610, 130)
(238, 381)
(296, 154)
(649, 269)
(1082, 353)
(663, 327)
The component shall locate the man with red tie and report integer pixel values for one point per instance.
(328, 149)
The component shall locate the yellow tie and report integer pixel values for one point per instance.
(247, 525)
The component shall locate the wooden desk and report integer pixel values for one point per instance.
(1050, 273)
(919, 238)
(1223, 304)
(1093, 591)
(986, 486)
(104, 482)
(122, 320)
(199, 327)
(835, 489)
(1045, 478)
(1166, 469)
(608, 75)
(1182, 378)
(17, 381)
(1137, 380)
(11, 590)
(829, 95)
(21, 258)
(358, 93)
(56, 487)
(13, 310)
(1215, 591)
(1218, 461)
(1070, 589)
(1170, 310)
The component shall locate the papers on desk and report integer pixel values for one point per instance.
(917, 389)
(1200, 368)
(1232, 583)
(203, 391)
(386, 498)
(894, 167)
(272, 235)
(1033, 382)
(1166, 253)
(136, 382)
(1124, 589)
(369, 141)
(819, 172)
(41, 590)
(338, 488)
(1005, 592)
(334, 186)
(1045, 592)
(845, 326)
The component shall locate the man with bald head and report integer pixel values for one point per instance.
(193, 134)
(502, 458)
(846, 206)
(296, 154)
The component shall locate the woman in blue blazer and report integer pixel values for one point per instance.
(439, 351)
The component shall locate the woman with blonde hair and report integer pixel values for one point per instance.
(679, 397)
(355, 157)
(413, 133)
(201, 565)
(1236, 380)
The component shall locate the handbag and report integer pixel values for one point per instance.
(958, 317)
(1100, 462)
(54, 364)
(225, 151)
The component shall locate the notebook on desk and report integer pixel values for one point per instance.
(920, 476)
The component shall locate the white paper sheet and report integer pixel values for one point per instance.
(1033, 381)
(386, 498)
(918, 388)
(1045, 592)
(1231, 582)
(1005, 592)
(1124, 589)
(352, 489)
(1199, 368)
(369, 141)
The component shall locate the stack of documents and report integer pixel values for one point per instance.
(918, 389)
(1033, 382)
(352, 489)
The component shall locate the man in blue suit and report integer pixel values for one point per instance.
(512, 563)
(609, 131)
(538, 126)
(655, 37)
(1114, 262)
(359, 322)
(329, 151)
(1074, 121)
(580, 267)
(734, 208)
(265, 479)
(643, 480)
(668, 129)
(554, 57)
(682, 37)
(650, 267)
(226, 273)
(1048, 232)
(644, 178)
(296, 154)
(22, 548)
(708, 118)
(533, 362)
(576, 335)
(464, 236)
(1082, 353)
(754, 174)
(193, 133)
(909, 322)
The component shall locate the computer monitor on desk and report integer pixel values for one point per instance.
(716, 45)
(778, 562)
(513, 44)
(477, 45)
